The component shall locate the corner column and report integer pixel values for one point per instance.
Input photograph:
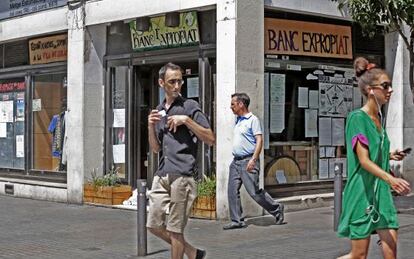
(240, 68)
(75, 117)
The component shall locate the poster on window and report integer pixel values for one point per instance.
(3, 130)
(119, 118)
(277, 103)
(192, 87)
(6, 111)
(20, 110)
(118, 152)
(19, 145)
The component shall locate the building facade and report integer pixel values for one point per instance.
(77, 79)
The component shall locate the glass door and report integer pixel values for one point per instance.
(116, 121)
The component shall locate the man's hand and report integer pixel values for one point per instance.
(176, 120)
(153, 118)
(250, 165)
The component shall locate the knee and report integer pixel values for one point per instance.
(176, 236)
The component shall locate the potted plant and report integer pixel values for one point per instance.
(106, 189)
(205, 204)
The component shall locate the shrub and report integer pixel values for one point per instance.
(207, 186)
(109, 179)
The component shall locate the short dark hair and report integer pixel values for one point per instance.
(242, 97)
(169, 65)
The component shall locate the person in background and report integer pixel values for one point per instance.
(368, 207)
(245, 167)
(174, 129)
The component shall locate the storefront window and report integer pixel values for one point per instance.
(49, 110)
(307, 105)
(12, 117)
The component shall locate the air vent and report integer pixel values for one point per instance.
(9, 189)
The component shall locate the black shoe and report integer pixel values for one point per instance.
(201, 254)
(281, 216)
(234, 225)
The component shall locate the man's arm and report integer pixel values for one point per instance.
(204, 134)
(153, 118)
(256, 154)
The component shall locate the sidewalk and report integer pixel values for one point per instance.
(39, 229)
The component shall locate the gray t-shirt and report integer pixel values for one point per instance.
(179, 149)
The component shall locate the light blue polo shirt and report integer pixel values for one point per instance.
(245, 130)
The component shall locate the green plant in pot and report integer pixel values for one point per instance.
(205, 204)
(106, 189)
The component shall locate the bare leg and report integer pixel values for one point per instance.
(360, 248)
(175, 240)
(388, 243)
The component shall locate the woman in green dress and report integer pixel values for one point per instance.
(367, 206)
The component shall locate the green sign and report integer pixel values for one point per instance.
(160, 36)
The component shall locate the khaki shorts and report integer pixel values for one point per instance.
(176, 193)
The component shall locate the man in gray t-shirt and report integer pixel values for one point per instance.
(174, 129)
(245, 167)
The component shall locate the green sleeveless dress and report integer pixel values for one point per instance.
(363, 209)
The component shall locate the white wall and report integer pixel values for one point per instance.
(240, 68)
(400, 114)
(321, 7)
(75, 123)
(108, 10)
(48, 21)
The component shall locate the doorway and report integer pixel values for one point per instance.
(133, 91)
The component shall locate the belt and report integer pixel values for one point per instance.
(242, 157)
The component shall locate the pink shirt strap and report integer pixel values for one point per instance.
(361, 138)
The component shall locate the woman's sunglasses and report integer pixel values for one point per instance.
(384, 85)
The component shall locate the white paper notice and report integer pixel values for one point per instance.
(311, 121)
(266, 114)
(303, 97)
(330, 151)
(338, 132)
(280, 176)
(313, 99)
(321, 152)
(277, 103)
(192, 87)
(118, 152)
(323, 168)
(119, 118)
(6, 111)
(332, 163)
(357, 98)
(325, 131)
(19, 145)
(36, 105)
(3, 130)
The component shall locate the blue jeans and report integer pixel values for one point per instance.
(238, 176)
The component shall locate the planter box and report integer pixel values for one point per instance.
(108, 195)
(204, 207)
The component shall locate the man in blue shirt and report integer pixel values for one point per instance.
(245, 167)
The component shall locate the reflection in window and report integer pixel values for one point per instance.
(49, 111)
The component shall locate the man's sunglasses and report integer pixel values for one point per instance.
(384, 85)
(175, 81)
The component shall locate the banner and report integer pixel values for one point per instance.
(12, 8)
(287, 37)
(48, 49)
(160, 36)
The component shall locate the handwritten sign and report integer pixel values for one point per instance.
(287, 37)
(160, 36)
(48, 49)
